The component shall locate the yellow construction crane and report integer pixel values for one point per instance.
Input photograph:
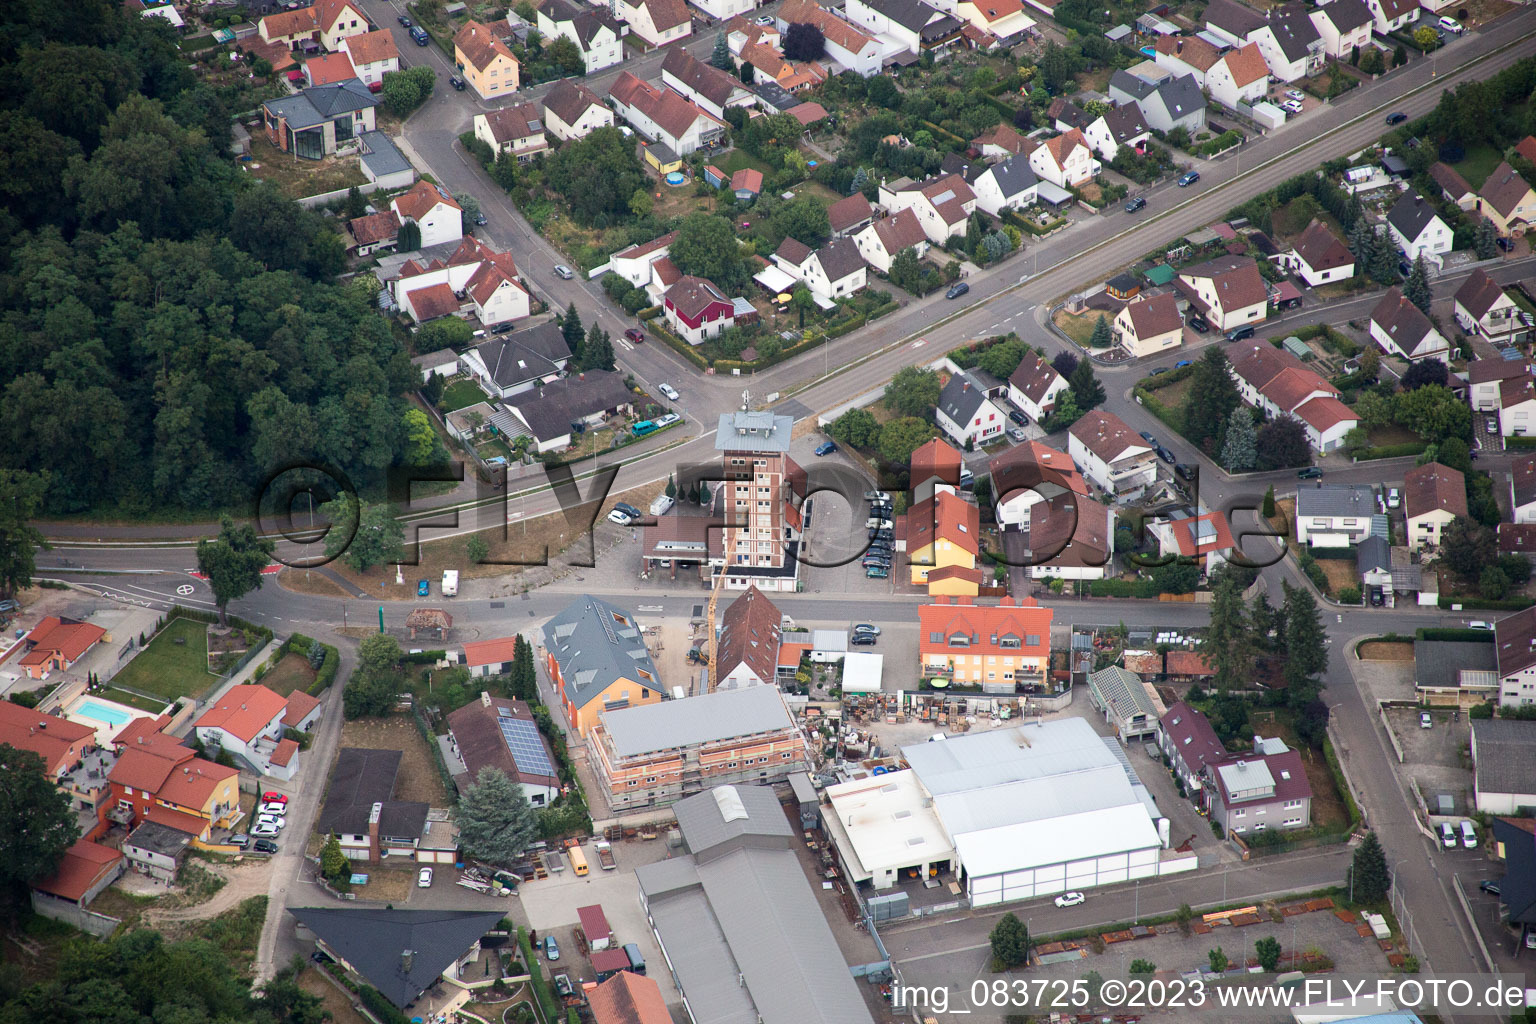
(708, 646)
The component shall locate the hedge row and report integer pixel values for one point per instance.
(198, 615)
(1347, 553)
(1028, 226)
(1520, 442)
(1164, 380)
(1393, 451)
(1512, 604)
(536, 975)
(1123, 588)
(678, 345)
(326, 674)
(425, 657)
(1481, 636)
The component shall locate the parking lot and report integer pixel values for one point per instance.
(1434, 758)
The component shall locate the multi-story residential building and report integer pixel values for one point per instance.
(1001, 648)
(1345, 26)
(1112, 456)
(1206, 537)
(516, 131)
(485, 61)
(572, 111)
(1034, 386)
(1171, 102)
(248, 721)
(1319, 256)
(1024, 475)
(1003, 20)
(1007, 185)
(1508, 200)
(1230, 291)
(1185, 55)
(1417, 230)
(597, 660)
(326, 24)
(1148, 325)
(967, 413)
(1070, 538)
(311, 123)
(665, 116)
(476, 279)
(759, 500)
(1517, 407)
(656, 755)
(1433, 495)
(495, 732)
(368, 822)
(1515, 641)
(1483, 307)
(883, 240)
(1277, 383)
(1485, 376)
(1389, 16)
(697, 309)
(751, 634)
(1065, 160)
(942, 541)
(1188, 741)
(1257, 791)
(593, 31)
(1335, 515)
(943, 206)
(846, 46)
(1522, 489)
(156, 779)
(1231, 22)
(58, 741)
(913, 24)
(435, 211)
(373, 55)
(1121, 127)
(507, 365)
(1402, 329)
(1292, 46)
(1240, 78)
(713, 90)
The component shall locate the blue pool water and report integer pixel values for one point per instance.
(111, 716)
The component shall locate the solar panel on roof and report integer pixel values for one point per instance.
(522, 738)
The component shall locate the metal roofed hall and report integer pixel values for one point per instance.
(703, 719)
(743, 431)
(1017, 803)
(1008, 755)
(728, 813)
(1070, 838)
(743, 934)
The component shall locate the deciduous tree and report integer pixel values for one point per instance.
(804, 42)
(232, 562)
(1282, 444)
(706, 247)
(37, 823)
(901, 437)
(1267, 951)
(1218, 960)
(913, 391)
(21, 499)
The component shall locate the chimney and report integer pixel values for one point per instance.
(1178, 47)
(374, 814)
(406, 956)
(965, 385)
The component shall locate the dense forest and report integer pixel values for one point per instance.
(170, 329)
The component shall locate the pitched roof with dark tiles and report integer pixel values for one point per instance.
(1235, 279)
(569, 100)
(1035, 376)
(792, 251)
(1516, 391)
(665, 14)
(1485, 371)
(1154, 315)
(1346, 15)
(476, 728)
(900, 231)
(1293, 29)
(1106, 435)
(1433, 487)
(750, 635)
(1321, 249)
(1232, 17)
(706, 80)
(1477, 295)
(849, 212)
(1411, 214)
(1505, 189)
(1404, 322)
(550, 410)
(1444, 175)
(839, 259)
(509, 124)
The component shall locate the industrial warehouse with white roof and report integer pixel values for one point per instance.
(1016, 813)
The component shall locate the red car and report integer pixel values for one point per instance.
(273, 798)
(635, 335)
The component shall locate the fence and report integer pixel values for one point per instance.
(325, 198)
(99, 925)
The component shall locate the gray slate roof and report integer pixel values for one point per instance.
(722, 715)
(374, 941)
(361, 779)
(1371, 554)
(1411, 214)
(319, 104)
(381, 156)
(1517, 889)
(1014, 176)
(596, 643)
(1232, 17)
(1440, 662)
(727, 813)
(551, 409)
(1293, 30)
(961, 397)
(909, 14)
(525, 355)
(753, 432)
(1505, 749)
(1180, 95)
(839, 258)
(1354, 500)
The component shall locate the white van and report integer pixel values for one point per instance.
(1479, 624)
(1468, 834)
(1447, 835)
(662, 505)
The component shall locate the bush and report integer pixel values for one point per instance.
(1348, 595)
(379, 1006)
(326, 674)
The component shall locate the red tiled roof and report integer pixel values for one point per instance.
(300, 704)
(47, 736)
(936, 459)
(290, 23)
(66, 638)
(1106, 435)
(517, 122)
(1022, 618)
(418, 202)
(665, 14)
(1185, 533)
(834, 29)
(181, 821)
(489, 652)
(1450, 181)
(376, 227)
(82, 866)
(1321, 249)
(845, 213)
(1154, 315)
(901, 231)
(284, 752)
(691, 297)
(145, 732)
(1189, 663)
(371, 47)
(1061, 146)
(1070, 530)
(1515, 391)
(1484, 371)
(480, 46)
(1007, 137)
(948, 196)
(1526, 147)
(191, 784)
(955, 572)
(1192, 50)
(672, 112)
(332, 67)
(142, 770)
(634, 252)
(1035, 377)
(1324, 413)
(434, 301)
(747, 180)
(628, 998)
(1191, 733)
(243, 711)
(945, 516)
(1517, 538)
(1235, 279)
(1247, 65)
(750, 635)
(808, 113)
(1433, 487)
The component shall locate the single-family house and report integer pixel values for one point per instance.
(1229, 290)
(516, 131)
(665, 116)
(885, 238)
(1486, 376)
(1433, 495)
(1130, 704)
(512, 364)
(1111, 455)
(1187, 739)
(1120, 126)
(361, 811)
(495, 732)
(935, 466)
(635, 264)
(1206, 537)
(156, 851)
(1240, 78)
(1482, 307)
(942, 533)
(572, 111)
(1515, 641)
(1417, 229)
(1389, 16)
(1007, 185)
(1185, 55)
(1508, 200)
(556, 413)
(1319, 256)
(1517, 407)
(1344, 25)
(697, 310)
(846, 45)
(312, 122)
(1234, 23)
(475, 280)
(1002, 142)
(850, 215)
(1149, 324)
(60, 743)
(485, 61)
(658, 22)
(725, 10)
(1334, 515)
(967, 414)
(1070, 538)
(326, 23)
(713, 90)
(373, 54)
(1034, 386)
(83, 871)
(1065, 115)
(1373, 561)
(1065, 160)
(377, 232)
(914, 25)
(328, 69)
(943, 206)
(1005, 20)
(1277, 383)
(1291, 44)
(597, 661)
(835, 271)
(1258, 790)
(1402, 329)
(1453, 187)
(1023, 475)
(1173, 102)
(56, 643)
(592, 29)
(434, 210)
(628, 998)
(247, 721)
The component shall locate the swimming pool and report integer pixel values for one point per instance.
(102, 713)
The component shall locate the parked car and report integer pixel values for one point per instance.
(1240, 333)
(1295, 94)
(867, 627)
(1185, 470)
(419, 34)
(551, 948)
(1291, 106)
(1136, 203)
(423, 588)
(877, 573)
(1147, 436)
(1188, 178)
(863, 639)
(480, 220)
(1017, 435)
(627, 509)
(1310, 473)
(1183, 363)
(826, 448)
(669, 391)
(1490, 887)
(1507, 244)
(404, 21)
(273, 797)
(1468, 834)
(272, 808)
(1396, 117)
(1447, 835)
(563, 272)
(264, 832)
(667, 420)
(1198, 323)
(263, 820)
(1019, 418)
(240, 839)
(956, 290)
(264, 846)
(1166, 455)
(563, 986)
(1393, 498)
(1425, 722)
(456, 82)
(619, 517)
(1451, 25)
(1480, 624)
(635, 335)
(1530, 939)
(1377, 597)
(424, 878)
(764, 20)
(1070, 899)
(1158, 372)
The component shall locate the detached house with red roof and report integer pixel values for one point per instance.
(437, 213)
(942, 540)
(711, 89)
(1508, 200)
(573, 111)
(516, 131)
(1517, 407)
(697, 310)
(58, 741)
(1277, 383)
(1265, 788)
(156, 779)
(750, 637)
(1112, 456)
(56, 643)
(665, 117)
(1024, 475)
(373, 54)
(1319, 256)
(942, 206)
(485, 61)
(1034, 386)
(488, 657)
(999, 648)
(1207, 538)
(846, 46)
(658, 22)
(1241, 76)
(1229, 290)
(1433, 495)
(1149, 324)
(476, 280)
(1186, 55)
(1003, 19)
(884, 239)
(326, 23)
(248, 721)
(1065, 161)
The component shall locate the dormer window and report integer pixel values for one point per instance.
(959, 640)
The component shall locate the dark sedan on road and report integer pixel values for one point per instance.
(1138, 203)
(1397, 117)
(957, 290)
(404, 21)
(1188, 178)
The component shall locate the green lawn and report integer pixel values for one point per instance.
(462, 394)
(133, 700)
(1478, 164)
(169, 669)
(738, 159)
